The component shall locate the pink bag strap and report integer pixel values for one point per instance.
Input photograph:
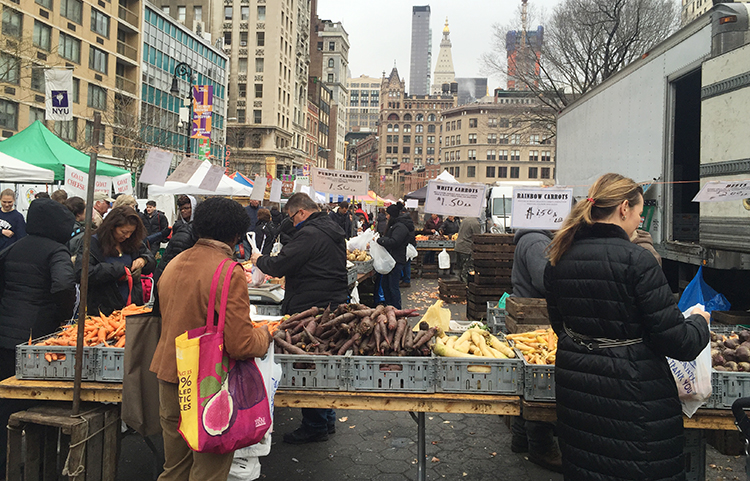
(225, 295)
(212, 296)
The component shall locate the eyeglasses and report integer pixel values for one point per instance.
(295, 214)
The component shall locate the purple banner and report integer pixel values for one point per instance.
(203, 102)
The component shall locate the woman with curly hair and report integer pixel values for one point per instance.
(117, 259)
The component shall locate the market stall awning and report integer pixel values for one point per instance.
(38, 146)
(14, 170)
(419, 194)
(242, 179)
(226, 185)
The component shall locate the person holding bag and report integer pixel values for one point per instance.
(618, 411)
(184, 295)
(397, 237)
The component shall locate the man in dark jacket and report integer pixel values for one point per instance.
(183, 235)
(381, 222)
(527, 277)
(406, 271)
(464, 245)
(450, 226)
(252, 212)
(37, 287)
(12, 225)
(342, 218)
(314, 264)
(157, 226)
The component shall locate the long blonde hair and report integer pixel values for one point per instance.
(607, 193)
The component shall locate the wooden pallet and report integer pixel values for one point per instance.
(493, 238)
(514, 326)
(493, 263)
(505, 256)
(528, 310)
(489, 290)
(491, 280)
(494, 248)
(493, 271)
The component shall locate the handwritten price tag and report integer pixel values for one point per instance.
(340, 182)
(462, 200)
(535, 208)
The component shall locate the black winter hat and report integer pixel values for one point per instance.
(50, 219)
(394, 209)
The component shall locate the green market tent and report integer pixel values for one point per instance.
(38, 146)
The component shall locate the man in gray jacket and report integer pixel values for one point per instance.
(464, 243)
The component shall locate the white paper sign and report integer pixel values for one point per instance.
(185, 170)
(339, 182)
(461, 200)
(259, 188)
(412, 203)
(123, 184)
(75, 182)
(306, 189)
(103, 184)
(59, 90)
(156, 168)
(275, 190)
(539, 208)
(722, 191)
(212, 178)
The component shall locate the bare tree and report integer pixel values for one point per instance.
(585, 42)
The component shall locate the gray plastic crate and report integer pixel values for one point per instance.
(457, 374)
(31, 364)
(351, 276)
(493, 310)
(308, 372)
(496, 323)
(448, 244)
(392, 374)
(110, 364)
(363, 267)
(695, 455)
(538, 381)
(268, 309)
(728, 387)
(726, 329)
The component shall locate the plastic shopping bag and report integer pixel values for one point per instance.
(411, 252)
(360, 241)
(693, 378)
(698, 292)
(382, 261)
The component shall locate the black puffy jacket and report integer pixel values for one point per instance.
(36, 276)
(103, 292)
(156, 222)
(183, 238)
(314, 264)
(397, 237)
(618, 413)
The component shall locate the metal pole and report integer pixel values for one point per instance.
(85, 264)
(190, 114)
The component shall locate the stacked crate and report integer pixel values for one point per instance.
(452, 290)
(526, 314)
(493, 263)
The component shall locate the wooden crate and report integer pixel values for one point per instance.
(493, 263)
(452, 290)
(474, 313)
(483, 280)
(515, 326)
(493, 271)
(500, 248)
(528, 310)
(89, 442)
(493, 238)
(489, 290)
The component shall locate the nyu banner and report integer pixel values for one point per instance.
(59, 87)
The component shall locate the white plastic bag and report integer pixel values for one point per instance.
(276, 247)
(693, 378)
(444, 260)
(360, 241)
(382, 261)
(411, 252)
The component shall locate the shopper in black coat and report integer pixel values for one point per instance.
(618, 411)
(396, 238)
(183, 235)
(265, 232)
(342, 217)
(118, 256)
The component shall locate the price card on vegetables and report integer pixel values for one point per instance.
(462, 200)
(341, 182)
(540, 208)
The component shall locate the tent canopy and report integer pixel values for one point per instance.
(14, 170)
(419, 194)
(226, 185)
(242, 179)
(38, 146)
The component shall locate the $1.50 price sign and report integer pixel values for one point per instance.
(538, 208)
(461, 200)
(340, 182)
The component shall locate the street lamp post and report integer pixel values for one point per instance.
(184, 70)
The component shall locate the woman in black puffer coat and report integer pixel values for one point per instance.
(619, 415)
(395, 240)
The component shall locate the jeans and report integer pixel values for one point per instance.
(318, 420)
(406, 273)
(377, 295)
(390, 286)
(464, 264)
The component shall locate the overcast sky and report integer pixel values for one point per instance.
(380, 31)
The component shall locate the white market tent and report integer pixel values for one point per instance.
(445, 176)
(226, 186)
(14, 170)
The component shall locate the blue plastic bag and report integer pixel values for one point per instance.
(698, 292)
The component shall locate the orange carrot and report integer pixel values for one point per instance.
(120, 342)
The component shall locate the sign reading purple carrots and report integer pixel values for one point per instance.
(203, 102)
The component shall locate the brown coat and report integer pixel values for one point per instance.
(184, 288)
(644, 239)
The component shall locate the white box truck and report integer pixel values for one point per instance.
(678, 117)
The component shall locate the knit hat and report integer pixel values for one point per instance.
(394, 209)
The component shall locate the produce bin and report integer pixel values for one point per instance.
(31, 364)
(480, 375)
(392, 374)
(727, 387)
(110, 364)
(493, 310)
(313, 373)
(363, 267)
(447, 244)
(351, 276)
(538, 381)
(268, 309)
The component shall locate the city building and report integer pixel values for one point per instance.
(417, 179)
(522, 70)
(166, 43)
(471, 89)
(204, 17)
(692, 9)
(421, 51)
(365, 155)
(335, 48)
(444, 74)
(99, 42)
(268, 47)
(364, 104)
(495, 140)
(408, 131)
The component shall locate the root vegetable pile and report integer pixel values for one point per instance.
(473, 342)
(382, 331)
(731, 352)
(538, 347)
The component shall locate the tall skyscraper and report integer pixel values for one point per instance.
(444, 73)
(421, 51)
(524, 52)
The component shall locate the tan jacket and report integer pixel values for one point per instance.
(184, 288)
(644, 239)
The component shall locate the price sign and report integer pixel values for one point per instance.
(462, 200)
(339, 182)
(539, 208)
(722, 191)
